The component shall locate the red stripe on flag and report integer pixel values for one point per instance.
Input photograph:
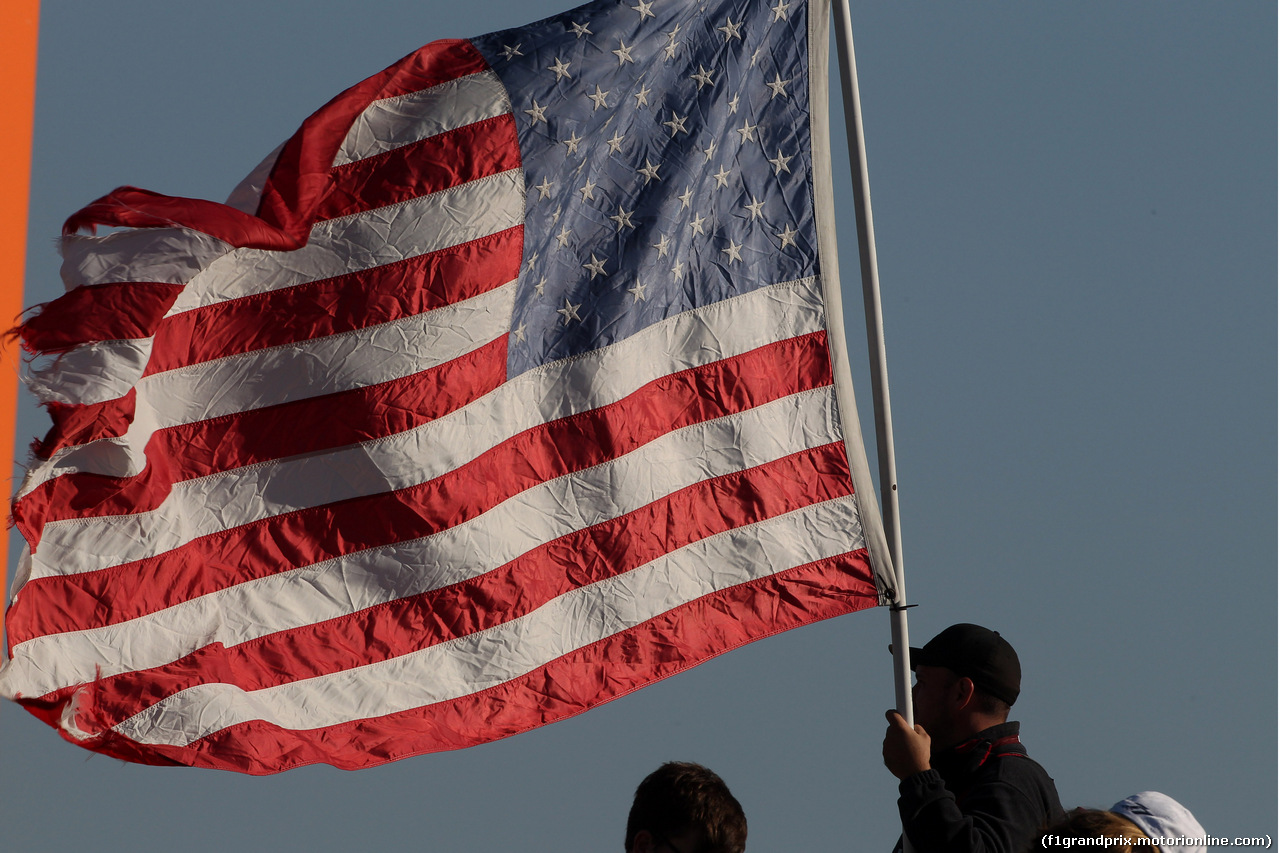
(72, 602)
(132, 207)
(331, 306)
(661, 647)
(260, 435)
(449, 159)
(406, 625)
(74, 424)
(301, 176)
(302, 173)
(102, 312)
(356, 300)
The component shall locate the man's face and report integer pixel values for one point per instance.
(929, 698)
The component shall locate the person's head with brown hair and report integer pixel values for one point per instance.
(685, 808)
(1094, 823)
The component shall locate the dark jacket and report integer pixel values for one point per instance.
(983, 796)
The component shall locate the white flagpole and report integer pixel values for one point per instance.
(875, 345)
(879, 366)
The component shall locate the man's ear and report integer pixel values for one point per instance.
(641, 842)
(962, 691)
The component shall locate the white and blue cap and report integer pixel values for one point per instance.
(1161, 816)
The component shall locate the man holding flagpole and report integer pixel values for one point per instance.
(966, 781)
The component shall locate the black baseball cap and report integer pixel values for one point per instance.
(977, 653)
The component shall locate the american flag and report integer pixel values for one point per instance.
(502, 389)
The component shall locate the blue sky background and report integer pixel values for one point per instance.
(1075, 207)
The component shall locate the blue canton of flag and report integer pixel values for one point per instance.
(667, 167)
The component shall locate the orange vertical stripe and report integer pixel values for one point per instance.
(17, 115)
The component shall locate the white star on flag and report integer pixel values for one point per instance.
(595, 265)
(788, 236)
(569, 312)
(561, 69)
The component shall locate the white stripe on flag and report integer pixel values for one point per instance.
(92, 373)
(98, 372)
(366, 240)
(162, 255)
(331, 364)
(477, 661)
(207, 505)
(353, 582)
(395, 122)
(283, 374)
